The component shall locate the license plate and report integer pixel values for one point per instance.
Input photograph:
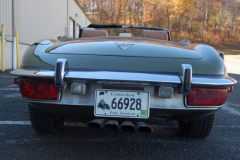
(123, 104)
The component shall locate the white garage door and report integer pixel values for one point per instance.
(71, 27)
(77, 30)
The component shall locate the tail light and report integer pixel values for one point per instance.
(231, 89)
(15, 80)
(207, 97)
(39, 90)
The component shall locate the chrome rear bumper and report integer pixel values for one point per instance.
(149, 81)
(125, 77)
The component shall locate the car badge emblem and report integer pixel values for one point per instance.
(124, 46)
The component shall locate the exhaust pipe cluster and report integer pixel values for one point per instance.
(125, 126)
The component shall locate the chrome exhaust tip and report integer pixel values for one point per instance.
(96, 123)
(127, 126)
(143, 127)
(111, 125)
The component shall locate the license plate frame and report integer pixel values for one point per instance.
(105, 108)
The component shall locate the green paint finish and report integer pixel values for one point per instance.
(156, 56)
(110, 48)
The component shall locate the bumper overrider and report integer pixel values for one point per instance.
(170, 95)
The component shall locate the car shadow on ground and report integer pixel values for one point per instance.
(161, 129)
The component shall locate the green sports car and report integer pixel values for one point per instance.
(118, 82)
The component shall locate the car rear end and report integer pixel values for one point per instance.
(123, 86)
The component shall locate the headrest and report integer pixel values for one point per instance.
(125, 34)
(162, 35)
(94, 33)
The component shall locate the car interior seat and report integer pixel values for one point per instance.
(94, 33)
(161, 35)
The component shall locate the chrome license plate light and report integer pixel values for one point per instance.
(78, 88)
(165, 92)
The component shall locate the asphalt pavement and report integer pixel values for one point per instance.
(19, 141)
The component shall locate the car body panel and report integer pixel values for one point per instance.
(137, 48)
(210, 63)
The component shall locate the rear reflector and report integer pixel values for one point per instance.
(39, 90)
(207, 97)
(15, 80)
(231, 89)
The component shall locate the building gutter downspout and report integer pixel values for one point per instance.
(14, 59)
(67, 17)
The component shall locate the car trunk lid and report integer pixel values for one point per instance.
(126, 47)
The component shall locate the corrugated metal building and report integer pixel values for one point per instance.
(40, 19)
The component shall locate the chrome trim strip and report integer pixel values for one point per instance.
(33, 73)
(206, 81)
(125, 76)
(45, 73)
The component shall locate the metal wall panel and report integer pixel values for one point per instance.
(40, 19)
(6, 17)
